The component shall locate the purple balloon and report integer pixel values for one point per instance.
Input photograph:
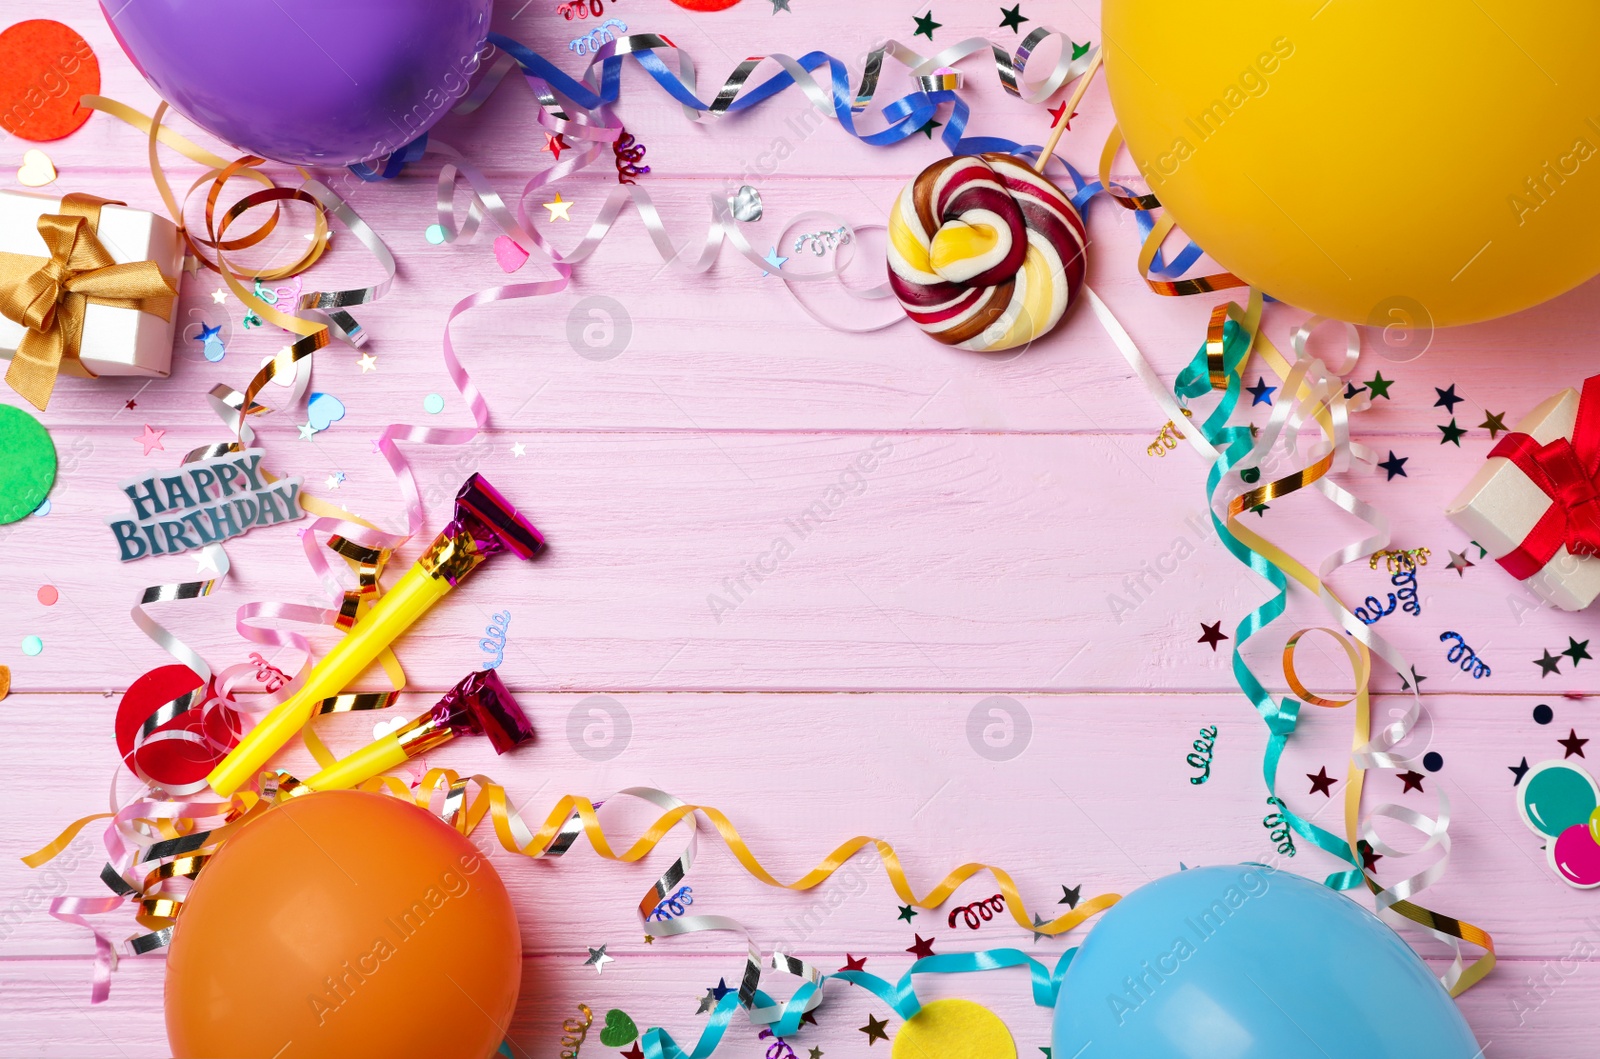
(313, 82)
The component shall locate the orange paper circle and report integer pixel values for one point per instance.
(44, 67)
(343, 924)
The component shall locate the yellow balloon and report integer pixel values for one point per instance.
(1376, 161)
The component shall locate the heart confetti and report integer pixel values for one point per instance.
(37, 170)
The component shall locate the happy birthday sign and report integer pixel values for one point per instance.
(203, 503)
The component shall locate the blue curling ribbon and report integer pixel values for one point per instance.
(900, 995)
(1234, 443)
(395, 163)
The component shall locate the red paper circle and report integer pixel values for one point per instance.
(44, 67)
(706, 5)
(172, 762)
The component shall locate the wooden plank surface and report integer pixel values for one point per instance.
(1012, 548)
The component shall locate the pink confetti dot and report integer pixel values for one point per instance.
(48, 595)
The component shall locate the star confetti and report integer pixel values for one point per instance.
(1459, 563)
(1447, 399)
(906, 912)
(1321, 782)
(1576, 651)
(598, 960)
(518, 449)
(928, 127)
(1452, 433)
(922, 948)
(774, 259)
(853, 964)
(1494, 423)
(1548, 664)
(1212, 634)
(874, 1029)
(130, 404)
(1012, 18)
(721, 989)
(1518, 771)
(1080, 50)
(925, 24)
(707, 1002)
(1369, 859)
(780, 5)
(1573, 744)
(1395, 465)
(1412, 780)
(1038, 921)
(219, 296)
(1069, 895)
(555, 144)
(633, 1052)
(151, 439)
(1406, 685)
(558, 209)
(1058, 114)
(1260, 393)
(816, 1053)
(1378, 386)
(368, 363)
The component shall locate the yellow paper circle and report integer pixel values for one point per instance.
(1372, 161)
(954, 1029)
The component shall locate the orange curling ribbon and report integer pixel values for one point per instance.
(49, 295)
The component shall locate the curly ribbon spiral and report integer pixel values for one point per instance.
(984, 253)
(1463, 656)
(978, 911)
(1279, 828)
(575, 1031)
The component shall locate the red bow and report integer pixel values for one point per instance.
(1568, 472)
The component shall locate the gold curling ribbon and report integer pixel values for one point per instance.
(49, 295)
(491, 802)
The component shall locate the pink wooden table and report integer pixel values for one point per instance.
(977, 560)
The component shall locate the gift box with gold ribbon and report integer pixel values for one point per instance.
(1535, 504)
(87, 287)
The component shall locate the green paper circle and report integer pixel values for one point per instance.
(27, 463)
(1556, 796)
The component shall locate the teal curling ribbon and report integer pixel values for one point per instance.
(900, 995)
(1234, 443)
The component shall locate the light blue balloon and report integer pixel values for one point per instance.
(1245, 962)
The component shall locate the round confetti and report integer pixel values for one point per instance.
(434, 234)
(1433, 761)
(48, 595)
(1575, 857)
(32, 645)
(1555, 796)
(44, 67)
(43, 509)
(1543, 714)
(5, 681)
(953, 1029)
(27, 463)
(433, 403)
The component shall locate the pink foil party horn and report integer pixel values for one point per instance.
(479, 705)
(485, 524)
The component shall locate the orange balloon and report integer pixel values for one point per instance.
(339, 924)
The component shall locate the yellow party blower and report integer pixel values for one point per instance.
(485, 524)
(479, 705)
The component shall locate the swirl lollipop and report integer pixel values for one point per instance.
(984, 253)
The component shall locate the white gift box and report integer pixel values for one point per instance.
(116, 340)
(1501, 505)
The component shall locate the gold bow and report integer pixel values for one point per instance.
(48, 295)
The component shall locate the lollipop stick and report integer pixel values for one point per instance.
(1066, 114)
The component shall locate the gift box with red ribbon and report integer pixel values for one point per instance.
(1534, 505)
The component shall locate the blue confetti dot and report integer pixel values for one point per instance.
(434, 234)
(43, 509)
(32, 645)
(433, 404)
(1433, 761)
